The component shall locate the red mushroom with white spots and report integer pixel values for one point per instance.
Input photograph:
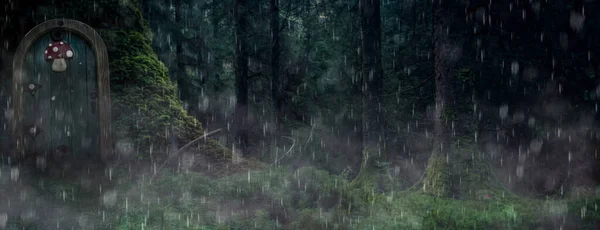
(57, 52)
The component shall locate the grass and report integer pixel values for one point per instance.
(279, 198)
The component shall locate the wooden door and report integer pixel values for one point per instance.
(60, 109)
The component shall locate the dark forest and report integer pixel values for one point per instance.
(299, 114)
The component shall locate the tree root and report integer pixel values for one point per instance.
(176, 153)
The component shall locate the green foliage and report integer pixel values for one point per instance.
(587, 208)
(476, 180)
(144, 96)
(450, 214)
(279, 198)
(465, 76)
(372, 179)
(144, 100)
(20, 223)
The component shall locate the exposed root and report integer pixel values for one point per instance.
(176, 153)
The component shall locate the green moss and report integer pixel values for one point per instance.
(437, 179)
(587, 209)
(366, 175)
(144, 98)
(145, 103)
(450, 214)
(476, 180)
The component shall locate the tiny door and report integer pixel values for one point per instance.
(60, 109)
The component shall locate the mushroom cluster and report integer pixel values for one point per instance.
(57, 52)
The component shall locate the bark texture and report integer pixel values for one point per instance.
(241, 75)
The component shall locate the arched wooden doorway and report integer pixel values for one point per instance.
(68, 111)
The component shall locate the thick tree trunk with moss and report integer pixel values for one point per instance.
(447, 52)
(241, 75)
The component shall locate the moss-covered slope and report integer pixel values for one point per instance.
(144, 98)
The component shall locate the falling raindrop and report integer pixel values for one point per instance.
(531, 122)
(576, 21)
(520, 171)
(14, 173)
(3, 220)
(503, 111)
(514, 68)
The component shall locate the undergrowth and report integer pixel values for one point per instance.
(307, 198)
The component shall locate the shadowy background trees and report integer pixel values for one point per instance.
(516, 79)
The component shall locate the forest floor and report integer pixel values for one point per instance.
(201, 193)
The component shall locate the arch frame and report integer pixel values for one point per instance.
(102, 74)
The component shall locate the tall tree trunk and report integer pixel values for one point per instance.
(414, 19)
(176, 78)
(275, 53)
(447, 51)
(307, 31)
(371, 84)
(144, 4)
(371, 77)
(241, 75)
(178, 41)
(275, 85)
(400, 19)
